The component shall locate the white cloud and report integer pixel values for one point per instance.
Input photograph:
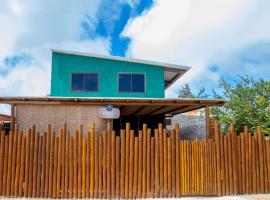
(16, 8)
(34, 27)
(198, 33)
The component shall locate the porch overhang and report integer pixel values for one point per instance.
(127, 106)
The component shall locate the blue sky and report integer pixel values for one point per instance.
(217, 38)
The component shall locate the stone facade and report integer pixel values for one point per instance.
(191, 125)
(57, 115)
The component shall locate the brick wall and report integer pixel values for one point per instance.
(57, 115)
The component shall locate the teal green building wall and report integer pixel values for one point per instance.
(63, 65)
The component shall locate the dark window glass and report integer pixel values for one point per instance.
(138, 84)
(131, 82)
(77, 82)
(124, 82)
(91, 82)
(84, 82)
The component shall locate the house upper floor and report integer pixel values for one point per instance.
(77, 74)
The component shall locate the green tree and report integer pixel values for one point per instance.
(248, 103)
(185, 92)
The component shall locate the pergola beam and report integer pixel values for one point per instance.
(138, 110)
(157, 109)
(185, 109)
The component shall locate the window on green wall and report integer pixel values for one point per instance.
(84, 82)
(131, 82)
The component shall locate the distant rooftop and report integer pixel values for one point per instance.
(171, 71)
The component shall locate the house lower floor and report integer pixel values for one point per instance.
(74, 112)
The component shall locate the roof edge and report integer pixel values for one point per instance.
(117, 101)
(154, 63)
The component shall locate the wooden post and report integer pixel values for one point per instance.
(27, 157)
(127, 159)
(71, 166)
(161, 167)
(10, 148)
(169, 146)
(22, 167)
(140, 164)
(117, 164)
(92, 159)
(55, 160)
(135, 179)
(84, 168)
(156, 164)
(109, 125)
(217, 141)
(35, 165)
(7, 138)
(12, 120)
(79, 161)
(100, 162)
(144, 175)
(2, 151)
(131, 163)
(47, 167)
(108, 164)
(207, 121)
(104, 158)
(123, 156)
(148, 163)
(113, 182)
(96, 183)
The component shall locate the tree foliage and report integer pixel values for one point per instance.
(185, 92)
(248, 103)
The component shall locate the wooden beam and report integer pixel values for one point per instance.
(115, 102)
(174, 109)
(207, 121)
(12, 120)
(185, 109)
(138, 110)
(121, 107)
(157, 109)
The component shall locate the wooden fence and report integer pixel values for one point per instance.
(65, 165)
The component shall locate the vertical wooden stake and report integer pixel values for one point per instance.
(157, 186)
(47, 167)
(92, 160)
(84, 168)
(135, 180)
(127, 159)
(22, 167)
(131, 163)
(117, 166)
(144, 149)
(217, 143)
(207, 121)
(2, 152)
(113, 170)
(71, 167)
(140, 164)
(148, 163)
